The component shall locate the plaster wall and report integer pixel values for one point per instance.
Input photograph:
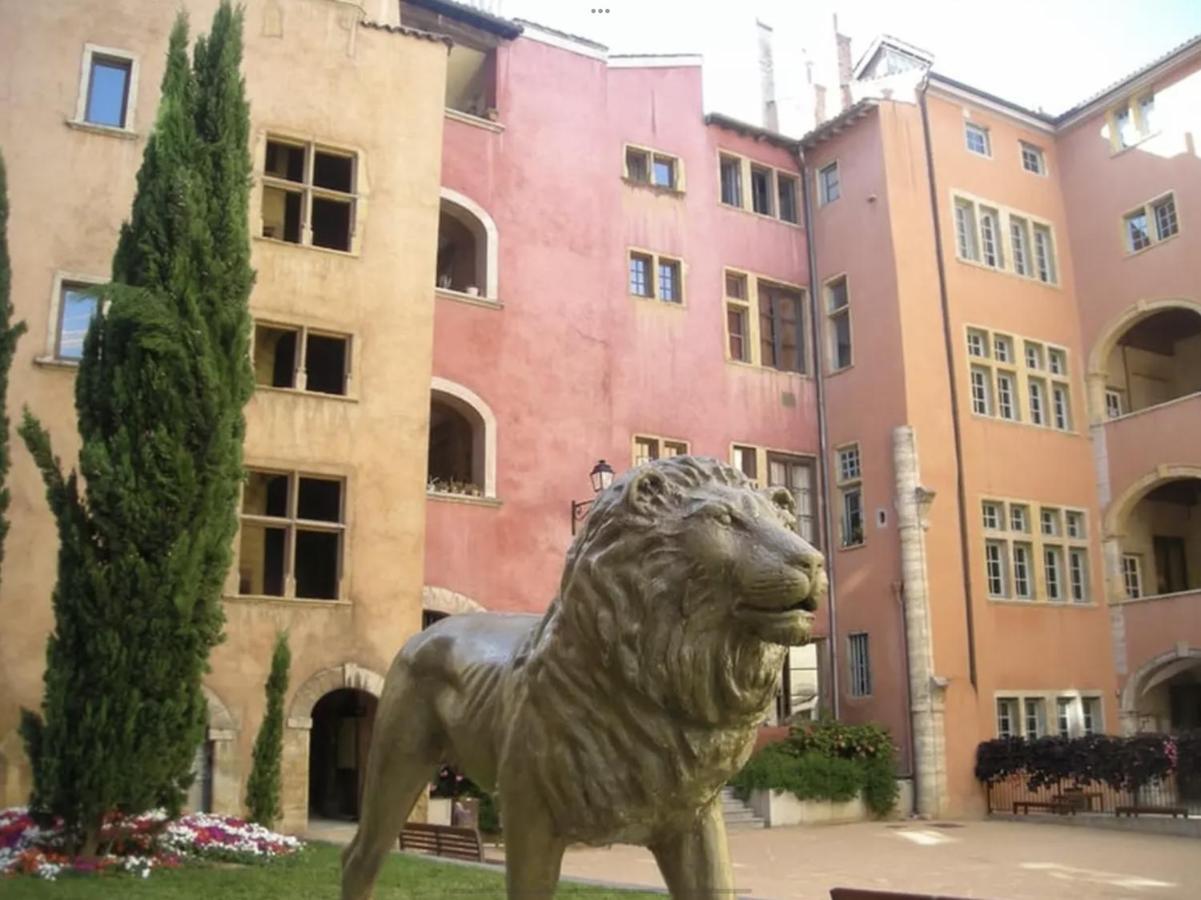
(312, 72)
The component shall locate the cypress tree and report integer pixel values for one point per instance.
(163, 378)
(9, 333)
(263, 787)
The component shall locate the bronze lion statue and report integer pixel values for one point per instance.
(618, 715)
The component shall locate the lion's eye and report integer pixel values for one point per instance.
(725, 518)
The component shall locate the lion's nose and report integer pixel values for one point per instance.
(809, 561)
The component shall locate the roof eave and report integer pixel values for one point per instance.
(754, 131)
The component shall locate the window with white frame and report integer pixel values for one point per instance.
(1006, 396)
(981, 391)
(1002, 348)
(1057, 361)
(746, 461)
(1061, 407)
(829, 187)
(1010, 552)
(1007, 717)
(838, 324)
(967, 244)
(1033, 159)
(998, 390)
(1063, 716)
(1114, 403)
(738, 316)
(850, 490)
(299, 358)
(1035, 715)
(108, 88)
(1038, 401)
(982, 230)
(1074, 714)
(1132, 575)
(1044, 255)
(309, 194)
(77, 306)
(977, 343)
(976, 139)
(648, 447)
(795, 474)
(292, 531)
(1150, 223)
(1019, 242)
(1131, 121)
(1090, 713)
(990, 238)
(859, 659)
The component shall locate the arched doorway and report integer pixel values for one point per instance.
(1157, 526)
(338, 744)
(1152, 355)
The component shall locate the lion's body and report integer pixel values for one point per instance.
(619, 714)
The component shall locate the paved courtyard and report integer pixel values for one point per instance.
(997, 860)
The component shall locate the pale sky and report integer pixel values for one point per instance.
(1048, 53)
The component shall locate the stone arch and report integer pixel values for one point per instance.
(483, 229)
(1119, 508)
(222, 739)
(1098, 358)
(16, 774)
(484, 435)
(295, 799)
(444, 600)
(1138, 681)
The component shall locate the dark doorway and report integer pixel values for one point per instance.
(338, 745)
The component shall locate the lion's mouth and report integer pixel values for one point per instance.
(806, 604)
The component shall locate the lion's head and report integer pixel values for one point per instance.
(690, 581)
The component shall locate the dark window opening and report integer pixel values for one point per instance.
(731, 180)
(333, 171)
(1171, 566)
(788, 205)
(317, 564)
(265, 494)
(455, 460)
(781, 328)
(285, 161)
(461, 261)
(325, 364)
(471, 80)
(331, 223)
(761, 190)
(430, 616)
(637, 168)
(343, 721)
(274, 356)
(282, 214)
(108, 91)
(263, 562)
(319, 500)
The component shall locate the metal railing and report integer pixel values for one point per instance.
(1067, 797)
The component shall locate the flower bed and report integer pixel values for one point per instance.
(137, 844)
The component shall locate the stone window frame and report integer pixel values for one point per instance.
(972, 129)
(1038, 255)
(1134, 107)
(748, 307)
(305, 327)
(1037, 542)
(1149, 211)
(859, 664)
(833, 314)
(651, 155)
(848, 487)
(656, 260)
(658, 445)
(79, 120)
(1030, 367)
(745, 198)
(763, 457)
(1028, 151)
(50, 351)
(1050, 705)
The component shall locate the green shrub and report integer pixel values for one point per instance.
(826, 761)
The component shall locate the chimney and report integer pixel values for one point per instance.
(844, 64)
(767, 78)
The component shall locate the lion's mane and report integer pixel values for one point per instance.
(634, 680)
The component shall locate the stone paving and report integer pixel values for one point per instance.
(990, 860)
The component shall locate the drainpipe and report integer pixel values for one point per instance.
(948, 346)
(898, 594)
(823, 436)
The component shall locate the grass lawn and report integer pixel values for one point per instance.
(311, 875)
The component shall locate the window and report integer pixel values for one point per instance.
(981, 392)
(1057, 362)
(641, 282)
(860, 663)
(761, 190)
(781, 328)
(1022, 581)
(1053, 572)
(1171, 564)
(1044, 255)
(838, 313)
(1063, 414)
(309, 195)
(77, 304)
(965, 230)
(976, 138)
(670, 288)
(644, 166)
(1137, 224)
(1019, 241)
(1049, 521)
(990, 238)
(1132, 575)
(829, 188)
(109, 79)
(1033, 159)
(1019, 518)
(992, 516)
(1063, 716)
(301, 359)
(786, 186)
(1075, 523)
(1006, 402)
(1007, 717)
(1166, 224)
(651, 275)
(1038, 399)
(995, 565)
(738, 316)
(1090, 709)
(1036, 717)
(1034, 355)
(1078, 575)
(647, 448)
(1113, 403)
(849, 487)
(848, 464)
(1132, 121)
(1002, 348)
(291, 540)
(731, 180)
(796, 474)
(746, 461)
(977, 343)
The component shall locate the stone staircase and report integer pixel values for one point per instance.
(737, 814)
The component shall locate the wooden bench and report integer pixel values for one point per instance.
(1058, 805)
(841, 893)
(442, 840)
(1173, 811)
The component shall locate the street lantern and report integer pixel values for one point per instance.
(601, 477)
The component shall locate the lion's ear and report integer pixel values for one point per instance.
(782, 499)
(647, 490)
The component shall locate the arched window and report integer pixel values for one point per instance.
(467, 248)
(1160, 542)
(462, 447)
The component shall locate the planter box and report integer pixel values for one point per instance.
(439, 811)
(783, 808)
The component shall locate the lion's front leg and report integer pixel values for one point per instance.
(696, 864)
(533, 851)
